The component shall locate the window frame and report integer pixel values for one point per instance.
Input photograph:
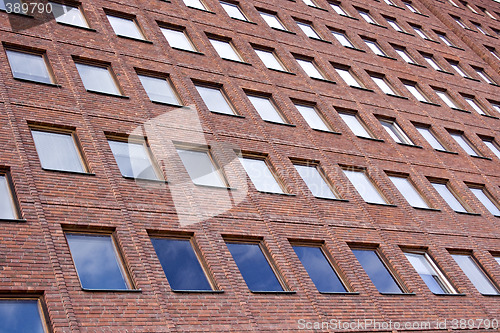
(352, 75)
(416, 86)
(229, 42)
(383, 78)
(202, 3)
(375, 186)
(480, 268)
(184, 32)
(11, 193)
(102, 65)
(320, 115)
(127, 17)
(76, 5)
(302, 60)
(451, 190)
(269, 97)
(487, 194)
(322, 174)
(41, 53)
(265, 158)
(454, 134)
(280, 62)
(160, 76)
(263, 13)
(41, 305)
(359, 120)
(429, 129)
(412, 184)
(222, 91)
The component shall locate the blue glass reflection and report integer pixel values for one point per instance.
(20, 316)
(96, 262)
(319, 269)
(180, 264)
(254, 267)
(377, 271)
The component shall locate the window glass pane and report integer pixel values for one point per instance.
(310, 3)
(342, 39)
(319, 269)
(133, 159)
(159, 90)
(180, 264)
(462, 142)
(310, 69)
(429, 136)
(409, 191)
(272, 21)
(97, 79)
(416, 93)
(214, 100)
(458, 70)
(396, 132)
(498, 260)
(428, 273)
(178, 39)
(484, 76)
(57, 151)
(20, 315)
(68, 14)
(269, 59)
(364, 186)
(254, 267)
(125, 27)
(338, 9)
(420, 32)
(225, 50)
(444, 39)
(266, 109)
(346, 75)
(475, 274)
(449, 197)
(394, 25)
(493, 147)
(446, 99)
(96, 262)
(233, 11)
(315, 181)
(383, 85)
(308, 30)
(195, 4)
(201, 168)
(377, 271)
(486, 201)
(474, 105)
(432, 63)
(7, 206)
(366, 17)
(312, 117)
(260, 175)
(374, 47)
(28, 66)
(405, 56)
(355, 125)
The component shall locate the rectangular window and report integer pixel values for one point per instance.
(313, 118)
(377, 271)
(310, 3)
(474, 104)
(319, 269)
(458, 20)
(373, 45)
(225, 50)
(261, 175)
(458, 69)
(273, 21)
(493, 52)
(411, 7)
(482, 74)
(125, 27)
(447, 99)
(475, 274)
(195, 4)
(233, 11)
(395, 131)
(181, 264)
(365, 187)
(308, 30)
(486, 199)
(420, 32)
(432, 62)
(367, 17)
(311, 69)
(403, 53)
(430, 273)
(444, 39)
(463, 142)
(267, 109)
(469, 7)
(383, 84)
(449, 196)
(98, 78)
(69, 15)
(408, 190)
(480, 28)
(495, 106)
(58, 151)
(356, 125)
(97, 262)
(342, 38)
(202, 168)
(159, 89)
(22, 315)
(348, 77)
(493, 146)
(394, 24)
(215, 99)
(29, 66)
(254, 266)
(134, 159)
(316, 181)
(453, 3)
(498, 260)
(338, 9)
(270, 60)
(415, 90)
(431, 138)
(178, 39)
(8, 207)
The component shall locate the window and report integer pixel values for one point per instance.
(348, 77)
(384, 85)
(493, 52)
(430, 273)
(178, 39)
(431, 138)
(432, 62)
(420, 32)
(254, 266)
(159, 89)
(261, 175)
(367, 17)
(313, 118)
(377, 271)
(486, 199)
(355, 125)
(396, 132)
(98, 78)
(195, 4)
(342, 38)
(475, 274)
(449, 196)
(233, 11)
(134, 159)
(225, 50)
(181, 264)
(487, 12)
(215, 99)
(29, 66)
(453, 3)
(97, 262)
(270, 60)
(405, 56)
(125, 27)
(338, 9)
(411, 7)
(364, 186)
(447, 99)
(316, 181)
(373, 45)
(444, 39)
(480, 28)
(389, 2)
(493, 146)
(58, 151)
(469, 7)
(498, 260)
(201, 167)
(311, 69)
(21, 315)
(482, 74)
(474, 104)
(464, 143)
(394, 24)
(458, 20)
(266, 109)
(319, 269)
(458, 69)
(69, 15)
(310, 3)
(8, 207)
(273, 21)
(308, 30)
(408, 190)
(495, 106)
(416, 92)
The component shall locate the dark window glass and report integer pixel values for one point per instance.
(254, 267)
(180, 264)
(377, 271)
(19, 316)
(319, 269)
